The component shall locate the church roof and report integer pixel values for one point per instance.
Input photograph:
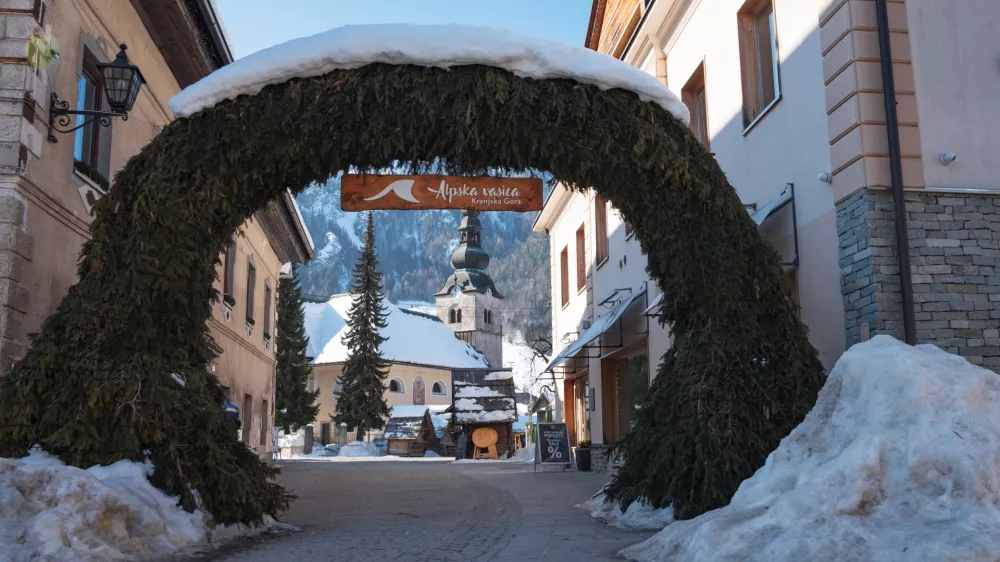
(413, 338)
(468, 281)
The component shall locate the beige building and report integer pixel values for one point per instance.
(789, 96)
(49, 185)
(423, 352)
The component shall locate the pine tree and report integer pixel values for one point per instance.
(361, 404)
(296, 406)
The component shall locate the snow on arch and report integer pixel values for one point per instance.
(441, 46)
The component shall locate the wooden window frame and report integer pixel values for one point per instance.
(751, 71)
(228, 273)
(90, 73)
(564, 276)
(246, 415)
(601, 231)
(581, 259)
(251, 289)
(264, 415)
(267, 308)
(694, 94)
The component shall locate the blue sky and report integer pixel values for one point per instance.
(256, 24)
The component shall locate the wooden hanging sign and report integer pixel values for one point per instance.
(364, 192)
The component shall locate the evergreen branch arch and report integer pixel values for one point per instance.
(95, 385)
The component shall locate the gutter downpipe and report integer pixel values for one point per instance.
(896, 172)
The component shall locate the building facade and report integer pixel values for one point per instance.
(422, 351)
(48, 186)
(788, 95)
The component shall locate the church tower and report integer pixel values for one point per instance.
(469, 303)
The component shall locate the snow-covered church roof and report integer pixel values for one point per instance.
(441, 46)
(413, 338)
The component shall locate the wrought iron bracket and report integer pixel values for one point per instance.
(61, 117)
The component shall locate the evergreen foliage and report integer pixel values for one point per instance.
(361, 404)
(96, 384)
(295, 405)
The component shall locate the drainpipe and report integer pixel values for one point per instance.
(896, 172)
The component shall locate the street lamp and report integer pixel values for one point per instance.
(122, 81)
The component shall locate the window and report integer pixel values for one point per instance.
(452, 316)
(264, 433)
(267, 308)
(439, 389)
(251, 286)
(488, 316)
(581, 259)
(758, 58)
(693, 96)
(246, 417)
(458, 315)
(628, 230)
(564, 275)
(89, 96)
(396, 386)
(227, 274)
(338, 386)
(601, 229)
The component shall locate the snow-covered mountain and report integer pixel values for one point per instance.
(415, 250)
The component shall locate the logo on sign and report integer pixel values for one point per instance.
(402, 188)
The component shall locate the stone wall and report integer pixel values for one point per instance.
(954, 254)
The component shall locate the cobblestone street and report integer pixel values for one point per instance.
(435, 510)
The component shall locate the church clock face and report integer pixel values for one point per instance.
(454, 291)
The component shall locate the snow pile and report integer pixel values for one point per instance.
(499, 376)
(359, 449)
(897, 461)
(638, 517)
(441, 46)
(430, 453)
(524, 454)
(476, 392)
(297, 439)
(50, 511)
(413, 338)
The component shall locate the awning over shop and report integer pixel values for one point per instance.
(771, 206)
(651, 310)
(600, 326)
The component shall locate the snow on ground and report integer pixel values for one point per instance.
(524, 456)
(412, 338)
(898, 460)
(430, 454)
(441, 46)
(50, 511)
(638, 517)
(359, 449)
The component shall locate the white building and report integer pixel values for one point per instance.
(788, 95)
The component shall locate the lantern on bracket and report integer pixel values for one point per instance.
(121, 81)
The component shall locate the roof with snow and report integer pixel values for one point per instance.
(441, 46)
(403, 428)
(413, 338)
(480, 398)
